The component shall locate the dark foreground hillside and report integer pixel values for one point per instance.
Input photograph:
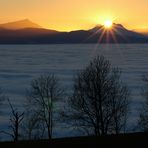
(123, 140)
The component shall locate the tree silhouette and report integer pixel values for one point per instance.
(15, 121)
(44, 92)
(99, 103)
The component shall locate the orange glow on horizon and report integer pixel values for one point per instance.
(66, 15)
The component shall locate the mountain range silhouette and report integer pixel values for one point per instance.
(27, 32)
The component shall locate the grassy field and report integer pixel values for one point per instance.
(122, 140)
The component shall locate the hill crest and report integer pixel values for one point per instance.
(21, 24)
(27, 32)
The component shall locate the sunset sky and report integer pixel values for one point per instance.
(76, 14)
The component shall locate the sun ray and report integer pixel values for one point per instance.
(114, 37)
(94, 33)
(101, 36)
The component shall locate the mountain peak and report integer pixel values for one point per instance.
(118, 26)
(24, 20)
(98, 28)
(21, 24)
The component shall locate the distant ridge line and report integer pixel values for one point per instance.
(27, 32)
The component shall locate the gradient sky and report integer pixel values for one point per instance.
(76, 14)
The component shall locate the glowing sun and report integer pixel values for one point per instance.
(108, 24)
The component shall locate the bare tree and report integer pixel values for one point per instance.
(100, 100)
(15, 122)
(33, 126)
(44, 92)
(143, 118)
(118, 104)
